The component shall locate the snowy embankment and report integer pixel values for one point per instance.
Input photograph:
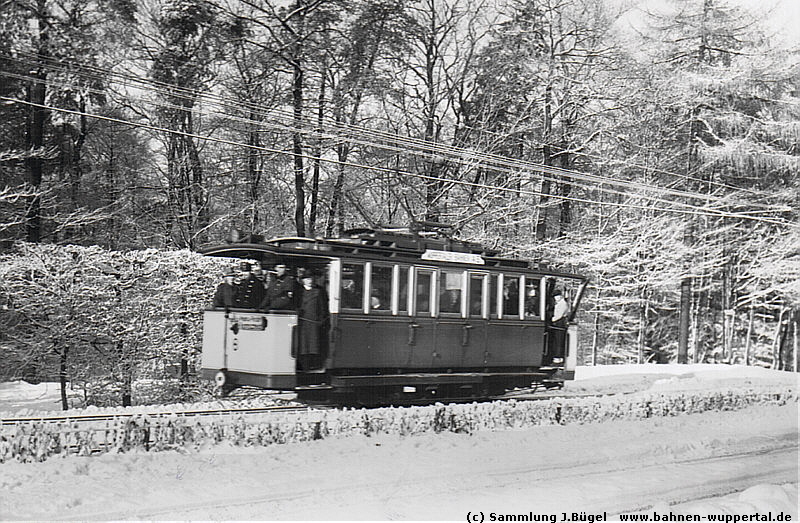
(37, 441)
(749, 456)
(20, 399)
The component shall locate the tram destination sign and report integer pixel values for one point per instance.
(251, 322)
(454, 257)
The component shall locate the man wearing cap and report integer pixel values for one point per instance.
(281, 291)
(559, 324)
(251, 290)
(225, 295)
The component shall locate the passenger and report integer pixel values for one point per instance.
(450, 301)
(313, 322)
(351, 297)
(558, 332)
(531, 303)
(560, 309)
(251, 289)
(511, 298)
(281, 291)
(258, 272)
(225, 295)
(253, 285)
(375, 302)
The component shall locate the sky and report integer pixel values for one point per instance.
(781, 16)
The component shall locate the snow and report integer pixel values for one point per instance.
(18, 395)
(736, 463)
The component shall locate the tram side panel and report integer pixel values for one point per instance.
(374, 342)
(424, 343)
(514, 344)
(253, 348)
(460, 343)
(214, 331)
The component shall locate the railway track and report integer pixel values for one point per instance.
(519, 395)
(155, 414)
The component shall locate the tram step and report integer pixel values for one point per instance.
(321, 386)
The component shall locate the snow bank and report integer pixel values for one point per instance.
(37, 441)
(614, 466)
(19, 398)
(758, 499)
(706, 370)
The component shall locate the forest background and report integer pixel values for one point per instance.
(653, 149)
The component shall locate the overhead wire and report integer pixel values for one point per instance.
(103, 73)
(430, 147)
(395, 171)
(289, 128)
(195, 94)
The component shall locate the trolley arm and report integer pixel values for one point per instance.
(577, 301)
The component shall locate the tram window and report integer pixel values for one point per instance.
(476, 295)
(493, 282)
(403, 290)
(422, 299)
(532, 297)
(352, 286)
(510, 296)
(450, 292)
(381, 290)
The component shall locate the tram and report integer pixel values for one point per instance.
(408, 318)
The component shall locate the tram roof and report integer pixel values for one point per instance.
(370, 246)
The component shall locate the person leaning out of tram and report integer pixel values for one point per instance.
(559, 322)
(314, 322)
(560, 309)
(226, 294)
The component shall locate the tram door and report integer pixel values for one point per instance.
(473, 337)
(422, 327)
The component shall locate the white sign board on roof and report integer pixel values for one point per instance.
(454, 257)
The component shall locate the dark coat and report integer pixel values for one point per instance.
(313, 320)
(225, 296)
(251, 292)
(281, 294)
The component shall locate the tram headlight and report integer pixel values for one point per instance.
(220, 378)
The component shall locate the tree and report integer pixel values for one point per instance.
(54, 162)
(190, 37)
(733, 142)
(101, 317)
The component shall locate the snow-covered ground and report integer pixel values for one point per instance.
(19, 395)
(738, 463)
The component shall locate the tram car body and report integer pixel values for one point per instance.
(411, 318)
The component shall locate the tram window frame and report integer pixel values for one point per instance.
(520, 314)
(484, 297)
(432, 287)
(442, 280)
(363, 266)
(400, 306)
(495, 291)
(388, 298)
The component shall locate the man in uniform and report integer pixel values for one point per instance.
(225, 295)
(281, 291)
(251, 287)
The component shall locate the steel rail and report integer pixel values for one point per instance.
(520, 395)
(156, 414)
